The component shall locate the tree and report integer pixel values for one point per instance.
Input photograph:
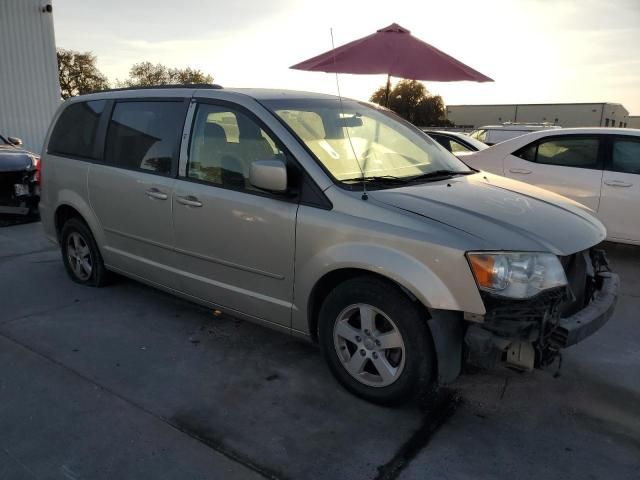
(145, 74)
(411, 100)
(78, 73)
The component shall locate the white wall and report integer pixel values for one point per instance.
(563, 114)
(29, 88)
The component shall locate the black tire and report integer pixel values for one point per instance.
(99, 275)
(417, 374)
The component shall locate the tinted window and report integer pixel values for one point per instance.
(224, 144)
(626, 156)
(444, 141)
(75, 130)
(569, 152)
(527, 153)
(145, 135)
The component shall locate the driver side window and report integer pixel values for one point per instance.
(224, 144)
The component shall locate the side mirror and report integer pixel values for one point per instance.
(15, 141)
(270, 175)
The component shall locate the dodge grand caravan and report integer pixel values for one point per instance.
(331, 220)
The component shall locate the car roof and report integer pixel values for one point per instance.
(520, 127)
(190, 90)
(513, 144)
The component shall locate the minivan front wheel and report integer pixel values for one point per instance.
(80, 254)
(376, 341)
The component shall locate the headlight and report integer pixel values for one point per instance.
(516, 274)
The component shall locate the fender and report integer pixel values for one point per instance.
(72, 199)
(408, 272)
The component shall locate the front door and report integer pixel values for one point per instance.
(569, 165)
(620, 203)
(131, 192)
(235, 244)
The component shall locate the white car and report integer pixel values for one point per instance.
(598, 167)
(492, 134)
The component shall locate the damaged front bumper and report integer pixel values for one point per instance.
(529, 333)
(19, 193)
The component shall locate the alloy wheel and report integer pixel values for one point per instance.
(369, 345)
(79, 256)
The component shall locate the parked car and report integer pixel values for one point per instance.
(19, 178)
(492, 134)
(457, 143)
(331, 220)
(598, 167)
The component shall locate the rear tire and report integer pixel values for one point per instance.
(376, 341)
(81, 256)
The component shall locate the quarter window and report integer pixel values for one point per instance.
(145, 135)
(75, 130)
(224, 144)
(626, 156)
(527, 153)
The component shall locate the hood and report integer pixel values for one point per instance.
(502, 214)
(14, 160)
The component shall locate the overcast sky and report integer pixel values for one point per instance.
(536, 50)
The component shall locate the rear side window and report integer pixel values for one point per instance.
(626, 156)
(75, 131)
(569, 152)
(145, 135)
(579, 152)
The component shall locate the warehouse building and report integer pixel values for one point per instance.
(29, 87)
(634, 121)
(562, 114)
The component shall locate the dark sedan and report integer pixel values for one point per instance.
(19, 178)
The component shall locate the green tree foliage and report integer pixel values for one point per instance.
(411, 100)
(146, 74)
(78, 73)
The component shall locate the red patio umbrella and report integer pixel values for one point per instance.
(394, 51)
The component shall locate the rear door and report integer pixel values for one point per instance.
(570, 165)
(235, 244)
(620, 202)
(131, 192)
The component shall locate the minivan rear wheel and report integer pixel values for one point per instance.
(376, 341)
(80, 254)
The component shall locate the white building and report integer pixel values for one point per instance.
(634, 121)
(563, 114)
(29, 87)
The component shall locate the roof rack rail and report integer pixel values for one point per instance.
(169, 85)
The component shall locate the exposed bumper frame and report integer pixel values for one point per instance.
(590, 319)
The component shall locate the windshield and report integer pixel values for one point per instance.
(475, 142)
(480, 135)
(356, 140)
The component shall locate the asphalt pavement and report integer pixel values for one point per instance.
(128, 382)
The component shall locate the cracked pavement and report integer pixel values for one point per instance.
(128, 382)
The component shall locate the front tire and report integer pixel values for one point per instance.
(80, 254)
(376, 341)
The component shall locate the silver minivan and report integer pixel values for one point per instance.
(329, 219)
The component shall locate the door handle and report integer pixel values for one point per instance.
(155, 193)
(189, 201)
(523, 171)
(617, 183)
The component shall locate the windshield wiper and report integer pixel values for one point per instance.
(389, 179)
(439, 174)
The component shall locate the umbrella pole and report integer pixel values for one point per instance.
(388, 91)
